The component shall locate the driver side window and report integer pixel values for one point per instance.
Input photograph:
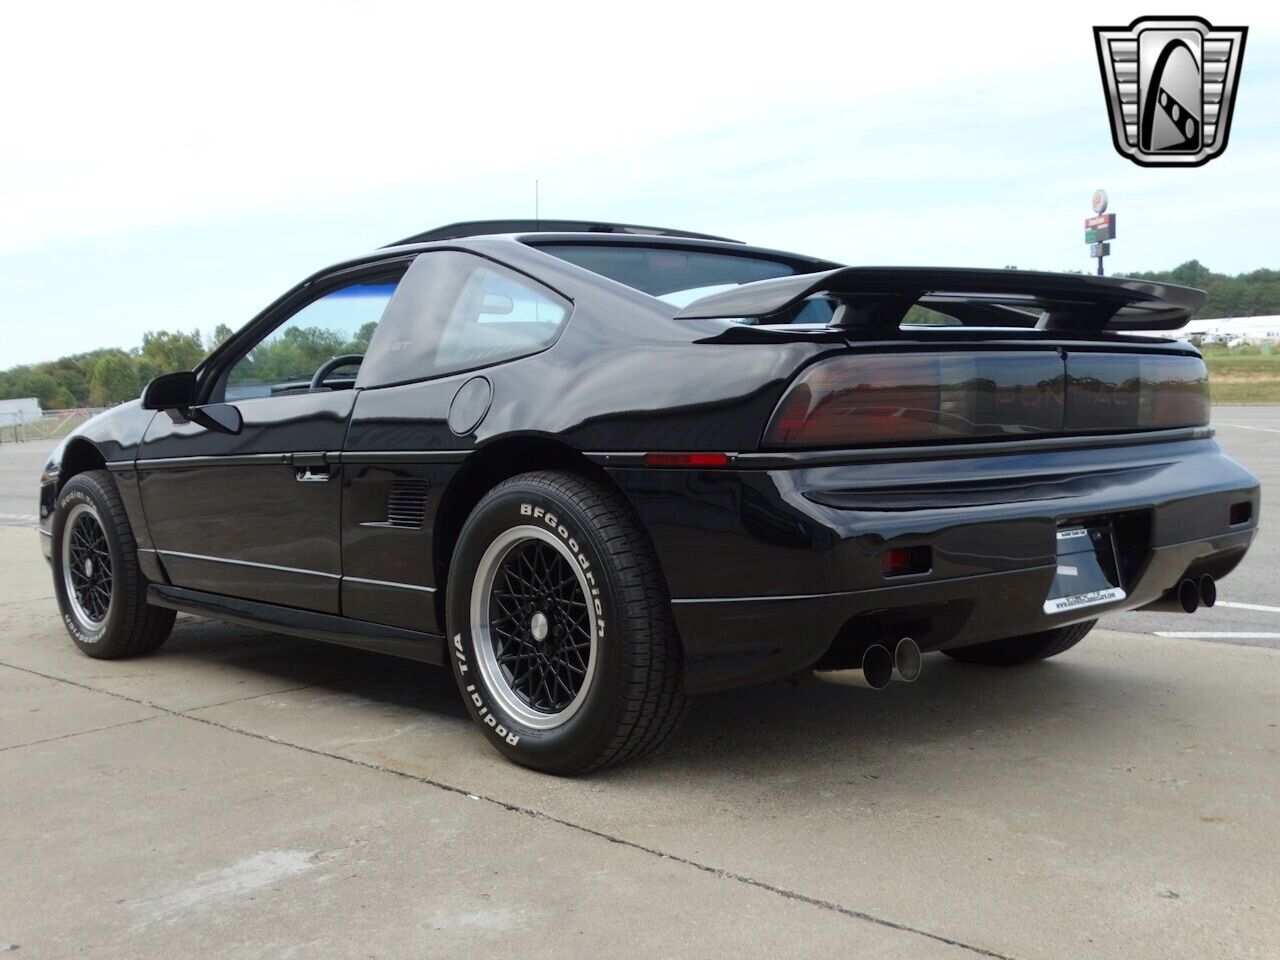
(340, 323)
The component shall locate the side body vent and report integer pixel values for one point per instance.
(406, 505)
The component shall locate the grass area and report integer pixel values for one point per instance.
(1243, 375)
(1253, 391)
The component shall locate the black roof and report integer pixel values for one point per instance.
(480, 228)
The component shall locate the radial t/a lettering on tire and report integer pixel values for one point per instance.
(561, 634)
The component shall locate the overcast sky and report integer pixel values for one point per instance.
(179, 165)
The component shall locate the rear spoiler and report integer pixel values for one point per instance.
(880, 297)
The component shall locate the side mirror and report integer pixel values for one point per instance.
(222, 417)
(170, 391)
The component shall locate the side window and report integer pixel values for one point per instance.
(340, 323)
(456, 311)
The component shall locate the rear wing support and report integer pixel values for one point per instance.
(879, 297)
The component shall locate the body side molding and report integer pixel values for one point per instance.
(397, 641)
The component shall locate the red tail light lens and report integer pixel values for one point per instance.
(686, 459)
(1241, 512)
(920, 397)
(900, 561)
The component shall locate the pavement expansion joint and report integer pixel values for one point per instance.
(784, 892)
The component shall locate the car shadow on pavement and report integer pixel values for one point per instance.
(283, 663)
(1016, 715)
(773, 730)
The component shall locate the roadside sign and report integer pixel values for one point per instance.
(1099, 228)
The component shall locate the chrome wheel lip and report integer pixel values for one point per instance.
(482, 630)
(83, 619)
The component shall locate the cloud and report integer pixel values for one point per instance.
(170, 165)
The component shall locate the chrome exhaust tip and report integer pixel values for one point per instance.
(1208, 591)
(875, 673)
(906, 661)
(877, 666)
(1189, 596)
(1184, 598)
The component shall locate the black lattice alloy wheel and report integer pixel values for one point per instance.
(537, 632)
(561, 633)
(101, 592)
(86, 567)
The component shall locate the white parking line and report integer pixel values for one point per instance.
(19, 519)
(1243, 426)
(1247, 606)
(1215, 635)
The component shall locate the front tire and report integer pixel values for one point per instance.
(101, 591)
(561, 634)
(1012, 651)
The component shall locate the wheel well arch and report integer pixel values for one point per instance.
(80, 455)
(481, 472)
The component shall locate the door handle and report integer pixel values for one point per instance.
(310, 467)
(312, 474)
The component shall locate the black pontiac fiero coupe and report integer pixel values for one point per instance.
(598, 468)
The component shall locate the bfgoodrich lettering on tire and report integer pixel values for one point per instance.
(561, 634)
(101, 592)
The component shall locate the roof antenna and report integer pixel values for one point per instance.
(537, 219)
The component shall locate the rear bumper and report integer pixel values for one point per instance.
(772, 570)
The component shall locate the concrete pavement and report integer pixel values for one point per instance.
(20, 465)
(247, 795)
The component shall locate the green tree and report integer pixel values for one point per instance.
(170, 352)
(115, 379)
(71, 376)
(221, 334)
(361, 342)
(51, 394)
(1255, 294)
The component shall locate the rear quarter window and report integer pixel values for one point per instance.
(456, 311)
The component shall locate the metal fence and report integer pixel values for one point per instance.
(55, 423)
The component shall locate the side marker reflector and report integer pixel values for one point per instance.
(686, 459)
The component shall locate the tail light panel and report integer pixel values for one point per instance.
(856, 400)
(920, 397)
(1119, 391)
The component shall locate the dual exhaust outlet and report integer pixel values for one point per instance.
(880, 666)
(1188, 596)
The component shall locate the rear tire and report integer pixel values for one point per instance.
(101, 591)
(561, 634)
(1012, 651)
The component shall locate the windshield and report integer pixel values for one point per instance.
(676, 276)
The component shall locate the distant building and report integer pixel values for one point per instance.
(24, 410)
(1231, 330)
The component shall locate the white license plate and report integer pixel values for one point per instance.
(1091, 599)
